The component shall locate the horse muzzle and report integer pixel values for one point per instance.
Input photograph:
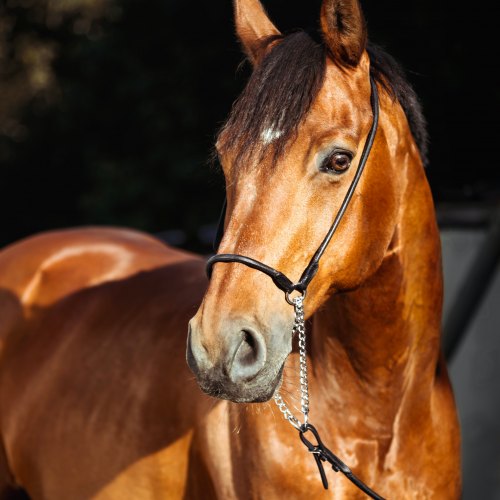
(240, 366)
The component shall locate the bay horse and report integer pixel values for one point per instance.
(96, 397)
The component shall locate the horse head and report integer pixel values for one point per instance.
(289, 151)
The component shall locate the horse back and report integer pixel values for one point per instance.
(93, 330)
(44, 268)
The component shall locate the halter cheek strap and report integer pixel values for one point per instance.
(281, 280)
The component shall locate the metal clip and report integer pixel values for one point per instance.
(315, 449)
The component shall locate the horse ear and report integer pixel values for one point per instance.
(344, 30)
(253, 27)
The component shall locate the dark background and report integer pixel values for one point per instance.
(108, 108)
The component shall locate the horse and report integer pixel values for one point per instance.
(96, 397)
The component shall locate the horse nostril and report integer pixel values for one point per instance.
(247, 351)
(249, 357)
(196, 354)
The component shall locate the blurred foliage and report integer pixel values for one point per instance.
(109, 118)
(108, 108)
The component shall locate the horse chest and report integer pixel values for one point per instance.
(253, 454)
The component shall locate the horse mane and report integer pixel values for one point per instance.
(283, 87)
(390, 75)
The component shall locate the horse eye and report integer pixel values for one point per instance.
(336, 163)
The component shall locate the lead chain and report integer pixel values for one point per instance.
(300, 329)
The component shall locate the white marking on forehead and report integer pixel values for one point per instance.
(270, 134)
(250, 191)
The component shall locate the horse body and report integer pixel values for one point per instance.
(96, 398)
(112, 339)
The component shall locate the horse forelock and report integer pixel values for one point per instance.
(276, 98)
(282, 88)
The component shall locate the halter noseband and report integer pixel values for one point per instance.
(281, 280)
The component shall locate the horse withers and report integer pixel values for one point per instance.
(96, 397)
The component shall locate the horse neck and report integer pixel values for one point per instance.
(378, 345)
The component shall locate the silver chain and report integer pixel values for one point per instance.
(300, 329)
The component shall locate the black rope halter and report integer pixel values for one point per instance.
(281, 280)
(320, 452)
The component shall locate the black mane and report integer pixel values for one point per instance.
(283, 87)
(388, 73)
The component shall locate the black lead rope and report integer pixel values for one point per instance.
(320, 452)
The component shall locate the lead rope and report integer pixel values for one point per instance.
(320, 452)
